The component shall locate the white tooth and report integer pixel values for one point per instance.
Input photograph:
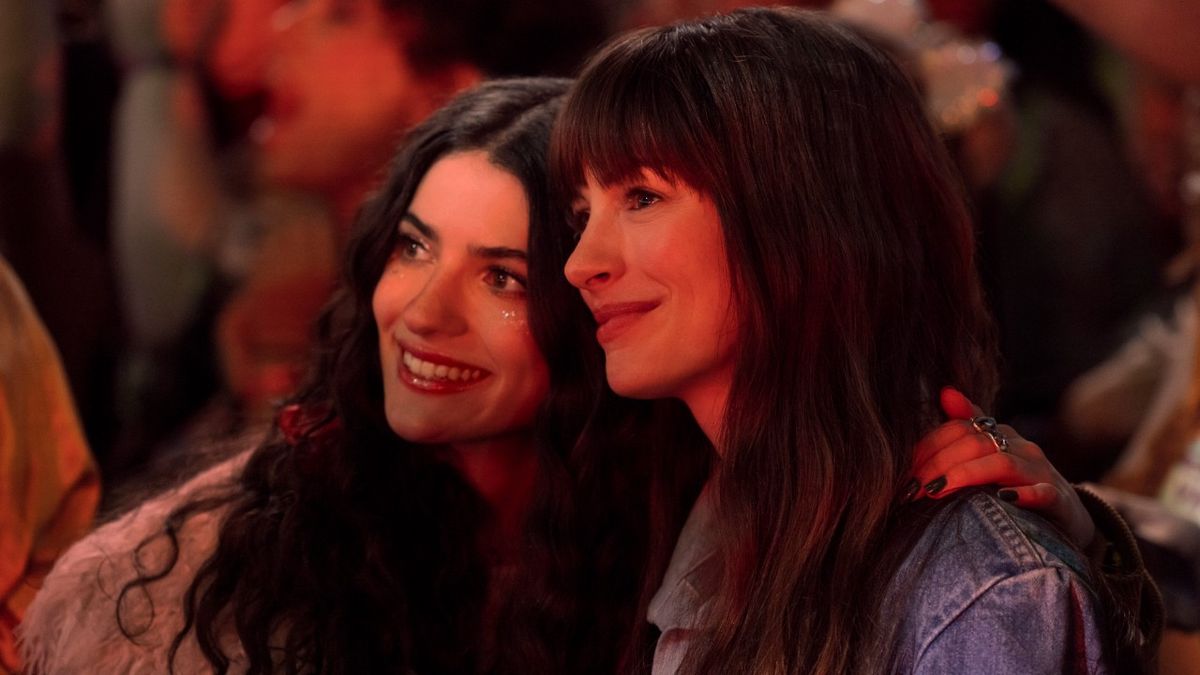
(440, 371)
(475, 374)
(453, 373)
(426, 369)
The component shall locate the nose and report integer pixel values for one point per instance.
(437, 310)
(596, 260)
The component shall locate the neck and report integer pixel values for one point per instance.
(707, 403)
(503, 471)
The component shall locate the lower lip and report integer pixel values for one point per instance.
(617, 326)
(424, 386)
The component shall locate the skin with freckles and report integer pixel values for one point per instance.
(459, 363)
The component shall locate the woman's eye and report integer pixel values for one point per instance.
(640, 199)
(410, 248)
(505, 281)
(578, 221)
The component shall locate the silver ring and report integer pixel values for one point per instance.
(988, 427)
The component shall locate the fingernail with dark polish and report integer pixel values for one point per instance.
(935, 486)
(910, 490)
(1007, 495)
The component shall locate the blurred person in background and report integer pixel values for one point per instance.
(177, 208)
(1072, 244)
(49, 488)
(1145, 398)
(46, 230)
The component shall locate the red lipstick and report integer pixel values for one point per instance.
(433, 373)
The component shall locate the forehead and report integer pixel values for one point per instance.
(467, 198)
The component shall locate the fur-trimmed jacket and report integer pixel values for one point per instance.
(72, 625)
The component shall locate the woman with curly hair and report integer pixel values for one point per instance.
(362, 535)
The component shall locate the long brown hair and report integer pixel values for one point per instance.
(851, 256)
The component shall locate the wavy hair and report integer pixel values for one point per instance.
(344, 548)
(851, 256)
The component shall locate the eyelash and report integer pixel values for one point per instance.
(636, 196)
(405, 245)
(577, 221)
(497, 271)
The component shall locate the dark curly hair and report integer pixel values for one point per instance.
(345, 549)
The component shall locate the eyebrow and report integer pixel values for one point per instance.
(487, 252)
(498, 252)
(422, 227)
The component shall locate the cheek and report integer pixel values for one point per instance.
(513, 346)
(511, 337)
(387, 302)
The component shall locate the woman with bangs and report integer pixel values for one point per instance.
(770, 232)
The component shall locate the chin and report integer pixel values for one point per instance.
(415, 432)
(635, 385)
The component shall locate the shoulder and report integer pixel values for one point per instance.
(994, 588)
(72, 625)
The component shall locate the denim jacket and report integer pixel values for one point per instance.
(987, 588)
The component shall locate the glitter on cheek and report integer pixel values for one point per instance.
(515, 318)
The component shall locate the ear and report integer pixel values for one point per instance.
(441, 85)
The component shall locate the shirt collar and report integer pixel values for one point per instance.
(693, 574)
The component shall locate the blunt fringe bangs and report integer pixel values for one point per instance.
(612, 123)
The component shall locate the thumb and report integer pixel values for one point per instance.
(957, 406)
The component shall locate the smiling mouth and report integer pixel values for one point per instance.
(437, 374)
(613, 320)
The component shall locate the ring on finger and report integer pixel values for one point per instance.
(988, 427)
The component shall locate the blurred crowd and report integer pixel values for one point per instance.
(178, 177)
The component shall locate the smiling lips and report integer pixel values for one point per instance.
(614, 319)
(437, 374)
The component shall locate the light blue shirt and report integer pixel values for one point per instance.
(988, 589)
